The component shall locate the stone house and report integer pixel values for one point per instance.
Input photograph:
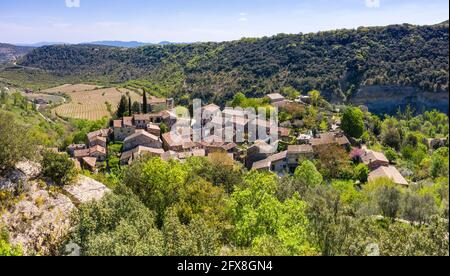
(141, 138)
(98, 152)
(128, 157)
(98, 141)
(297, 153)
(374, 159)
(123, 128)
(390, 172)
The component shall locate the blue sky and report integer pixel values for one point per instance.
(27, 21)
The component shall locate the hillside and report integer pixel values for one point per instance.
(337, 63)
(10, 52)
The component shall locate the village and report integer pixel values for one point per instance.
(142, 135)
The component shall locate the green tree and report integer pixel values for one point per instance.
(308, 175)
(144, 102)
(194, 239)
(122, 107)
(315, 97)
(391, 155)
(58, 167)
(256, 214)
(361, 173)
(136, 108)
(130, 109)
(117, 225)
(353, 122)
(290, 92)
(389, 201)
(418, 208)
(15, 144)
(439, 163)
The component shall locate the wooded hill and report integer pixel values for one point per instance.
(335, 62)
(10, 52)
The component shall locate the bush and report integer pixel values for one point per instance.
(15, 145)
(391, 155)
(391, 138)
(58, 167)
(361, 173)
(353, 122)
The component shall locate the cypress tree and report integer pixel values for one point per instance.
(144, 103)
(122, 107)
(130, 111)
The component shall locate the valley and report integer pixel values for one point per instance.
(333, 143)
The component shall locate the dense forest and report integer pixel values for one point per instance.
(335, 62)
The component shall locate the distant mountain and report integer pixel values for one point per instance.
(111, 43)
(10, 53)
(122, 44)
(41, 44)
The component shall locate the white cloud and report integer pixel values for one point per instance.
(73, 3)
(373, 3)
(243, 17)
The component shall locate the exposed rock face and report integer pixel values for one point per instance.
(86, 190)
(18, 179)
(387, 99)
(40, 220)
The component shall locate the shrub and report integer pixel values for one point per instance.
(58, 167)
(361, 173)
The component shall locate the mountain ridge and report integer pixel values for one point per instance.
(335, 62)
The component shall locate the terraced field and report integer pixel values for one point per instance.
(71, 88)
(90, 104)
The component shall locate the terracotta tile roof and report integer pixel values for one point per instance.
(81, 153)
(388, 172)
(329, 139)
(211, 108)
(173, 139)
(142, 117)
(90, 161)
(101, 132)
(278, 156)
(300, 149)
(97, 148)
(276, 97)
(262, 147)
(141, 132)
(128, 121)
(372, 156)
(139, 151)
(153, 127)
(229, 146)
(99, 138)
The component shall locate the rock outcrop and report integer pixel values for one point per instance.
(387, 99)
(41, 218)
(86, 190)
